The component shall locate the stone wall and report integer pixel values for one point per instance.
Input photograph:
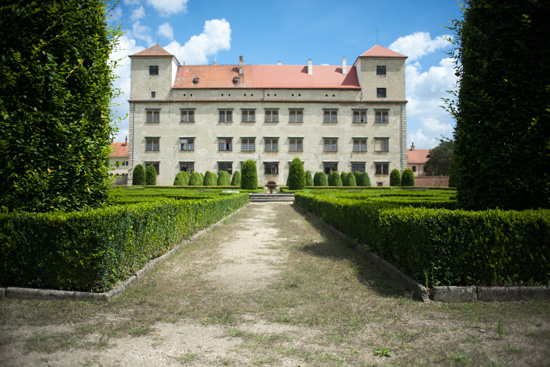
(431, 181)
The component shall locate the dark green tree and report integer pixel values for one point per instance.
(357, 175)
(138, 176)
(309, 178)
(365, 180)
(343, 176)
(395, 177)
(407, 178)
(195, 179)
(210, 179)
(236, 179)
(350, 180)
(320, 179)
(224, 179)
(178, 180)
(334, 179)
(440, 159)
(296, 175)
(151, 175)
(55, 94)
(249, 175)
(502, 135)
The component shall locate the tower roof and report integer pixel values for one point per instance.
(381, 51)
(155, 50)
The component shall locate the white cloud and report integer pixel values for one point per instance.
(419, 44)
(168, 7)
(166, 30)
(125, 47)
(215, 37)
(131, 2)
(142, 32)
(137, 14)
(115, 14)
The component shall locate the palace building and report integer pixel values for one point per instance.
(214, 117)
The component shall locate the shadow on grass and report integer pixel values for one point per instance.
(335, 247)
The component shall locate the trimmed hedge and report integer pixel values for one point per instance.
(445, 247)
(96, 249)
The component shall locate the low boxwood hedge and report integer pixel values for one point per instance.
(445, 247)
(96, 249)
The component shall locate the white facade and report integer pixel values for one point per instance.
(331, 117)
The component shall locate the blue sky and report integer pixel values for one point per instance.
(293, 31)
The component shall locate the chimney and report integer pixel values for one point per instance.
(126, 141)
(344, 66)
(309, 67)
(241, 65)
(412, 147)
(279, 63)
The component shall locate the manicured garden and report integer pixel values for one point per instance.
(424, 234)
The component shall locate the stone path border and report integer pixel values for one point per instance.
(445, 293)
(35, 293)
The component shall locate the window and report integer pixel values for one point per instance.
(154, 164)
(153, 94)
(247, 144)
(381, 92)
(381, 145)
(271, 168)
(152, 144)
(359, 144)
(381, 116)
(187, 144)
(414, 168)
(360, 116)
(187, 116)
(271, 116)
(381, 70)
(382, 168)
(187, 166)
(271, 144)
(296, 116)
(226, 116)
(296, 144)
(330, 116)
(328, 167)
(153, 115)
(224, 144)
(358, 166)
(225, 166)
(248, 115)
(331, 144)
(153, 70)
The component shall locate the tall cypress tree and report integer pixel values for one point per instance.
(55, 95)
(502, 134)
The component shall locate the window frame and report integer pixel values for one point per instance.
(381, 93)
(360, 145)
(227, 114)
(249, 142)
(332, 114)
(361, 164)
(271, 115)
(190, 144)
(150, 146)
(154, 113)
(327, 166)
(384, 145)
(189, 164)
(297, 114)
(382, 116)
(227, 144)
(273, 168)
(228, 164)
(361, 114)
(382, 168)
(155, 164)
(154, 70)
(332, 145)
(273, 145)
(381, 70)
(189, 113)
(248, 115)
(298, 144)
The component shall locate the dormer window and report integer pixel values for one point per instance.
(195, 80)
(153, 70)
(235, 80)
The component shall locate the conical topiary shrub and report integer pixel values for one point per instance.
(309, 178)
(249, 176)
(224, 179)
(138, 175)
(236, 179)
(334, 179)
(210, 179)
(296, 175)
(320, 179)
(395, 178)
(151, 175)
(365, 180)
(350, 180)
(195, 180)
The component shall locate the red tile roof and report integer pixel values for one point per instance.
(266, 76)
(155, 50)
(119, 150)
(419, 156)
(380, 51)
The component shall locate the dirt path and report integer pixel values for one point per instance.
(270, 287)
